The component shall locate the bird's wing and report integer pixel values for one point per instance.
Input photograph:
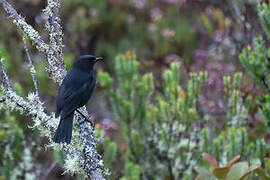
(75, 91)
(73, 81)
(72, 99)
(78, 98)
(60, 99)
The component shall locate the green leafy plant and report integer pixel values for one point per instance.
(255, 59)
(158, 127)
(108, 148)
(16, 156)
(132, 171)
(231, 171)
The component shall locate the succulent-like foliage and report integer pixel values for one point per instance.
(159, 127)
(264, 15)
(231, 171)
(255, 59)
(167, 119)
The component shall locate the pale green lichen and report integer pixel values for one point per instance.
(8, 153)
(33, 99)
(32, 70)
(72, 164)
(31, 105)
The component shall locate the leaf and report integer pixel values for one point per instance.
(210, 159)
(237, 170)
(267, 163)
(221, 172)
(261, 172)
(233, 161)
(258, 170)
(204, 174)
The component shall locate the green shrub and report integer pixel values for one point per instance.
(159, 127)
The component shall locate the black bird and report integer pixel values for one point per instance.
(74, 92)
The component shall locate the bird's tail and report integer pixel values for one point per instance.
(64, 129)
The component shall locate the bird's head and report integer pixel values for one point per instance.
(86, 62)
(89, 58)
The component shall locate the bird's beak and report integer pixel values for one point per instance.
(98, 59)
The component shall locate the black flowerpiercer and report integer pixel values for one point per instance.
(74, 92)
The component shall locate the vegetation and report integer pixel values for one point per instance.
(179, 96)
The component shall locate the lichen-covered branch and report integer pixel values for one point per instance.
(55, 29)
(52, 10)
(25, 27)
(56, 68)
(4, 77)
(92, 160)
(32, 106)
(83, 156)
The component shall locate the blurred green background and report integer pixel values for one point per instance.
(180, 78)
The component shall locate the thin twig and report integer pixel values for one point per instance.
(237, 11)
(86, 117)
(31, 66)
(48, 171)
(4, 76)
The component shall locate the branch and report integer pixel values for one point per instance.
(56, 35)
(31, 66)
(55, 29)
(56, 68)
(4, 76)
(92, 160)
(237, 11)
(29, 108)
(92, 163)
(26, 28)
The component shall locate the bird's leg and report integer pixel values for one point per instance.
(85, 117)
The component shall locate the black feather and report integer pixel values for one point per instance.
(64, 130)
(74, 92)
